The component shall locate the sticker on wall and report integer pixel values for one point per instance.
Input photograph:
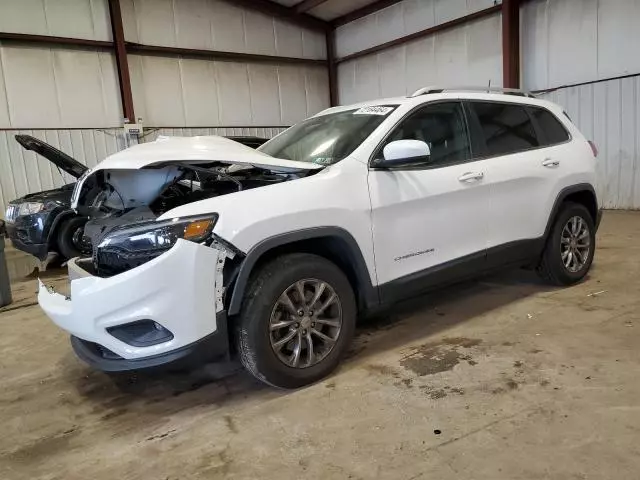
(374, 110)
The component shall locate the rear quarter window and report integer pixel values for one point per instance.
(551, 128)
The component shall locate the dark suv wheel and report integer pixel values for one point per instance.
(569, 250)
(297, 320)
(70, 238)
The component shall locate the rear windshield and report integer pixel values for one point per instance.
(329, 138)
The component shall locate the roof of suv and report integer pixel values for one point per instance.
(470, 93)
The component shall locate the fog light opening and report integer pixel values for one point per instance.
(142, 333)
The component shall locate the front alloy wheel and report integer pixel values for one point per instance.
(305, 323)
(297, 319)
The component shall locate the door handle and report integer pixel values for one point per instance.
(550, 162)
(471, 177)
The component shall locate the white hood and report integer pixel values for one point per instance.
(196, 149)
(133, 190)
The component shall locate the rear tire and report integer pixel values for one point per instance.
(69, 238)
(570, 247)
(282, 313)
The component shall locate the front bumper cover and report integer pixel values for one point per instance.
(180, 290)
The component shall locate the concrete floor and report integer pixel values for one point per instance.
(503, 378)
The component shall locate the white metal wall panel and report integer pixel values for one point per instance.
(62, 18)
(469, 54)
(403, 18)
(217, 25)
(574, 41)
(57, 87)
(172, 91)
(609, 114)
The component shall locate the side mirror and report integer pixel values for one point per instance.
(404, 152)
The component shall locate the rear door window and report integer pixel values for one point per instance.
(506, 127)
(551, 128)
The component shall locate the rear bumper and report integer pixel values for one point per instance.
(177, 290)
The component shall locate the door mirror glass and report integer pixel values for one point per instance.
(404, 152)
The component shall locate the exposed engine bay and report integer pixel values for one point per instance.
(103, 198)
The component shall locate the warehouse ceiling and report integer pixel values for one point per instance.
(327, 10)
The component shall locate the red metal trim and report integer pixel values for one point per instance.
(333, 68)
(218, 55)
(46, 39)
(511, 43)
(363, 12)
(306, 5)
(122, 63)
(277, 10)
(423, 33)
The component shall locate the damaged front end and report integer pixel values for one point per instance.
(154, 287)
(126, 194)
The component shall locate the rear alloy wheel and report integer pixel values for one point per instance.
(575, 243)
(570, 247)
(297, 320)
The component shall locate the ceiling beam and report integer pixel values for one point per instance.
(307, 5)
(363, 12)
(46, 39)
(277, 10)
(222, 56)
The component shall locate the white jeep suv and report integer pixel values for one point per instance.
(203, 246)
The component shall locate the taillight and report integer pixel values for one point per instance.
(594, 149)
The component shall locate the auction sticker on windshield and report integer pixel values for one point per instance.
(374, 110)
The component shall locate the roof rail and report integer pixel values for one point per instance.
(436, 89)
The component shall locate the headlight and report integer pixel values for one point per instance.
(128, 247)
(29, 208)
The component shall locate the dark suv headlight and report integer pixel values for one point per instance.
(131, 246)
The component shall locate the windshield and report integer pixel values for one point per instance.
(329, 138)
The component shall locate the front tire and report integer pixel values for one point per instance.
(570, 247)
(297, 320)
(69, 238)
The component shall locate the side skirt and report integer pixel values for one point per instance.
(513, 254)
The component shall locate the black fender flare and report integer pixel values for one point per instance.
(368, 293)
(564, 193)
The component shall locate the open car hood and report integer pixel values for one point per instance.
(194, 150)
(55, 156)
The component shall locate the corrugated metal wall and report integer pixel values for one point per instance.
(609, 114)
(217, 25)
(57, 87)
(180, 92)
(403, 18)
(576, 41)
(69, 18)
(469, 54)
